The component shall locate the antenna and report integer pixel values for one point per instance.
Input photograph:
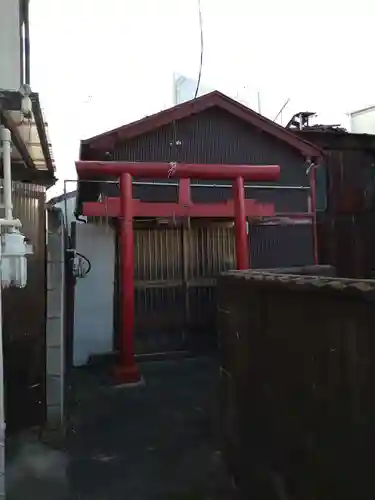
(282, 109)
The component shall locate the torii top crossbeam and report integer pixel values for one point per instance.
(93, 169)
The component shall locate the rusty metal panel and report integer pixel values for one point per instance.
(24, 318)
(175, 278)
(159, 301)
(209, 249)
(281, 245)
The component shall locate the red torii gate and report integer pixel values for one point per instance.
(126, 208)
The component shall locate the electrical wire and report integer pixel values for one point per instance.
(202, 49)
(80, 271)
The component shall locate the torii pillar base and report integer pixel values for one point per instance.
(126, 375)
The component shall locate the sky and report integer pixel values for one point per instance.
(98, 65)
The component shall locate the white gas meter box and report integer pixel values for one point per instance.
(14, 250)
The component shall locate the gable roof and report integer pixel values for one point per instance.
(213, 99)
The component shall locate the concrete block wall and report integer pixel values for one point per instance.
(55, 362)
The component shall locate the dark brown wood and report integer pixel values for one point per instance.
(298, 412)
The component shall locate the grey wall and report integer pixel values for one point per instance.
(55, 345)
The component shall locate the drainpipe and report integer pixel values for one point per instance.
(311, 172)
(242, 247)
(7, 174)
(7, 169)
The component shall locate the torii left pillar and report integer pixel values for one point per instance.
(127, 370)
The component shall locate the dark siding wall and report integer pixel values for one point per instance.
(215, 136)
(24, 318)
(350, 168)
(346, 228)
(348, 243)
(281, 245)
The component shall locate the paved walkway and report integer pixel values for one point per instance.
(155, 442)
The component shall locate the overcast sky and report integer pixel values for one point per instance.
(98, 64)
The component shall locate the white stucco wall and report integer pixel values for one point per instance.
(93, 308)
(10, 45)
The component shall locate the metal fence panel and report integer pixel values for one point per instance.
(175, 278)
(159, 303)
(209, 250)
(281, 245)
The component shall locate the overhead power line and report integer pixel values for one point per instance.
(202, 49)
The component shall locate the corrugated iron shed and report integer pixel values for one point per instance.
(108, 139)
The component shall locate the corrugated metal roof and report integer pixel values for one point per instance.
(109, 139)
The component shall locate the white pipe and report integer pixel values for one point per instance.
(259, 104)
(7, 172)
(10, 223)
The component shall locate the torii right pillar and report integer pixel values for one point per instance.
(242, 242)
